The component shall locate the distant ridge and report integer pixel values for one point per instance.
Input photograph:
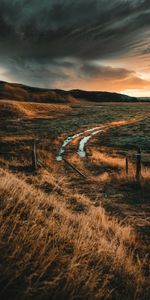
(20, 92)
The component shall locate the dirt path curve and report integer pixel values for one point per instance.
(94, 130)
(71, 138)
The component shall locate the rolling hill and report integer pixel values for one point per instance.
(19, 92)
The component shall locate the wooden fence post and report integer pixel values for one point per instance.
(127, 166)
(138, 164)
(34, 157)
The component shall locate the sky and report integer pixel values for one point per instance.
(99, 45)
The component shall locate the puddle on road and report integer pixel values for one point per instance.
(70, 138)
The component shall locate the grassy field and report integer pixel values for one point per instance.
(62, 236)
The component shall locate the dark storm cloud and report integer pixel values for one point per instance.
(146, 51)
(34, 34)
(91, 71)
(34, 73)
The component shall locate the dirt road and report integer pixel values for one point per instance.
(93, 131)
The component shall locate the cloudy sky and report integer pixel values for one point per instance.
(85, 44)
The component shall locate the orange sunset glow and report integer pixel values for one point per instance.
(88, 45)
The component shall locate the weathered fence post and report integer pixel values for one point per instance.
(34, 157)
(127, 166)
(138, 164)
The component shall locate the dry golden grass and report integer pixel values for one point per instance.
(14, 109)
(110, 160)
(117, 162)
(59, 246)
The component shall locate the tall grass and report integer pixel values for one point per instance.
(59, 246)
(117, 163)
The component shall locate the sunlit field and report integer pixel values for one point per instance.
(64, 236)
(74, 150)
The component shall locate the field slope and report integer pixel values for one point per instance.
(62, 247)
(63, 236)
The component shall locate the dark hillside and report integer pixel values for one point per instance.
(19, 92)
